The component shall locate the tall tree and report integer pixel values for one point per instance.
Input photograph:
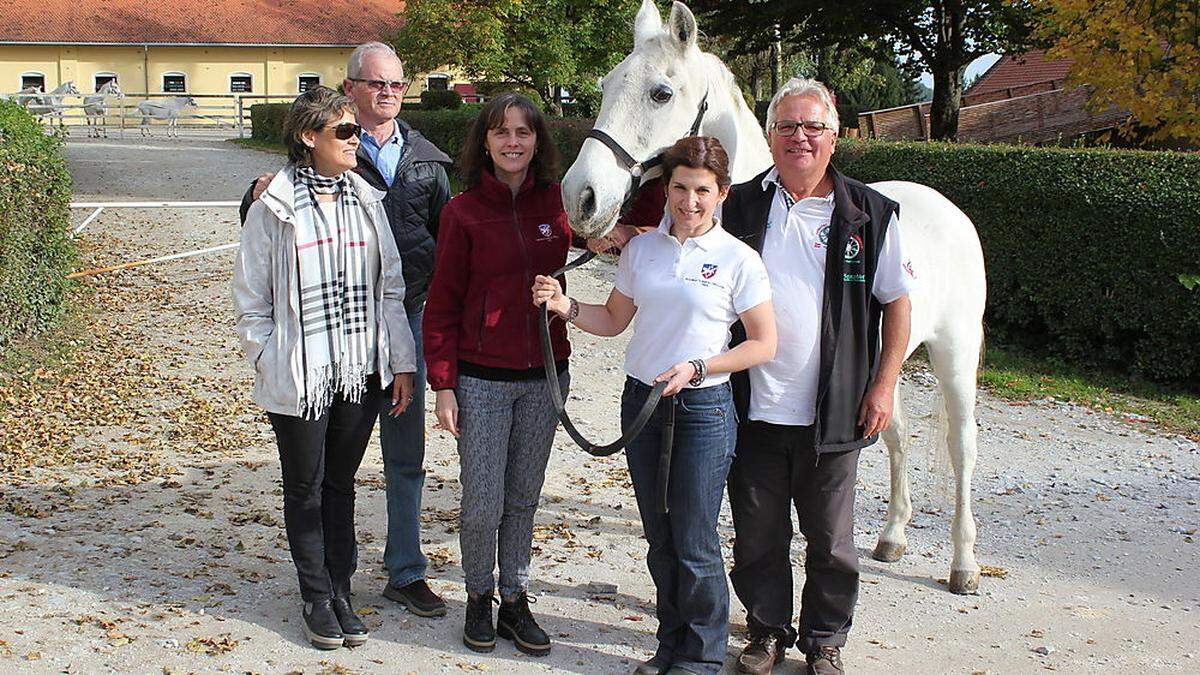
(941, 36)
(1140, 55)
(537, 44)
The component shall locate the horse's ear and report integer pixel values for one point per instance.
(682, 26)
(648, 23)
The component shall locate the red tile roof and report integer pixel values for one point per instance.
(1016, 70)
(255, 22)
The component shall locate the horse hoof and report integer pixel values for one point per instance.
(886, 551)
(964, 582)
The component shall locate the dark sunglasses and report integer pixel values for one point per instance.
(345, 130)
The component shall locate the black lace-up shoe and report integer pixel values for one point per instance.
(418, 598)
(761, 655)
(516, 623)
(354, 631)
(321, 625)
(479, 635)
(825, 661)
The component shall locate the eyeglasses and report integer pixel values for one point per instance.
(345, 130)
(380, 85)
(812, 128)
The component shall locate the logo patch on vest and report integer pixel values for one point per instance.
(853, 247)
(544, 228)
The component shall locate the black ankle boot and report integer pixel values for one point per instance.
(478, 633)
(354, 631)
(516, 623)
(321, 625)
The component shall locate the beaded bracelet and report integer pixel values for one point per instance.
(572, 312)
(701, 371)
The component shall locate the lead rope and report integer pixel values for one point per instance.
(636, 170)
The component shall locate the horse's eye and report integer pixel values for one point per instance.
(661, 94)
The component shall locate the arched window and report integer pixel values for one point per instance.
(102, 78)
(33, 79)
(174, 82)
(307, 81)
(241, 83)
(437, 82)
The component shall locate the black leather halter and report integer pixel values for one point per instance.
(637, 170)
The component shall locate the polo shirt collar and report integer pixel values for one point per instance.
(705, 241)
(772, 178)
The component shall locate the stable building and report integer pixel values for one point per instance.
(252, 48)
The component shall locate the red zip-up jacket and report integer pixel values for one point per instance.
(480, 309)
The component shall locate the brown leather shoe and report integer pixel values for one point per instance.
(825, 661)
(760, 656)
(418, 598)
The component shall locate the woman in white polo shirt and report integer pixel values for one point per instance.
(686, 282)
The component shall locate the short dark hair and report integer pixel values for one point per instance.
(473, 159)
(311, 111)
(698, 152)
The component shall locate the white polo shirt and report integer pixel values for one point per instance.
(687, 297)
(784, 390)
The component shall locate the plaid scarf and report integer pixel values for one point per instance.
(331, 264)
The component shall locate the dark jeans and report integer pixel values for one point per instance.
(685, 551)
(402, 440)
(319, 459)
(777, 468)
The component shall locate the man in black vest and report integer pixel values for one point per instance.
(398, 160)
(840, 279)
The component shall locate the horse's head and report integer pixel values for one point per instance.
(650, 100)
(189, 102)
(69, 89)
(112, 89)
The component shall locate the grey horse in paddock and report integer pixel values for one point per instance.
(95, 108)
(169, 110)
(50, 104)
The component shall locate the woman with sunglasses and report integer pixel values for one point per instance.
(319, 297)
(484, 358)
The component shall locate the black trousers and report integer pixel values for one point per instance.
(319, 459)
(775, 469)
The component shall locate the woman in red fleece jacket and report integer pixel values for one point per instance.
(484, 355)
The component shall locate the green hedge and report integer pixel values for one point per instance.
(36, 250)
(441, 99)
(1084, 248)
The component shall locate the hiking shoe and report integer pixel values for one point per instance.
(321, 625)
(417, 597)
(825, 661)
(354, 631)
(478, 633)
(516, 623)
(761, 655)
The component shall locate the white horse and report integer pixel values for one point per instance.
(50, 104)
(168, 110)
(667, 85)
(95, 108)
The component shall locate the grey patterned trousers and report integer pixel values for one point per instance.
(506, 430)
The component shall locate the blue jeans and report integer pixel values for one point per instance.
(403, 441)
(685, 550)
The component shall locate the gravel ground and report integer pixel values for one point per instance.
(141, 528)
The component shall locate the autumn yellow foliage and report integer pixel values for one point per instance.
(1140, 55)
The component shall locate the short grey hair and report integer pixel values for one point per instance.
(354, 64)
(312, 111)
(803, 86)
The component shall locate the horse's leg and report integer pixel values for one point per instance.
(955, 360)
(892, 542)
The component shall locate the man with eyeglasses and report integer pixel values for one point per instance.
(841, 279)
(410, 170)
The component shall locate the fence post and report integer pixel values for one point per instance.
(241, 121)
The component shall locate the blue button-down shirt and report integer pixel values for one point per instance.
(385, 156)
